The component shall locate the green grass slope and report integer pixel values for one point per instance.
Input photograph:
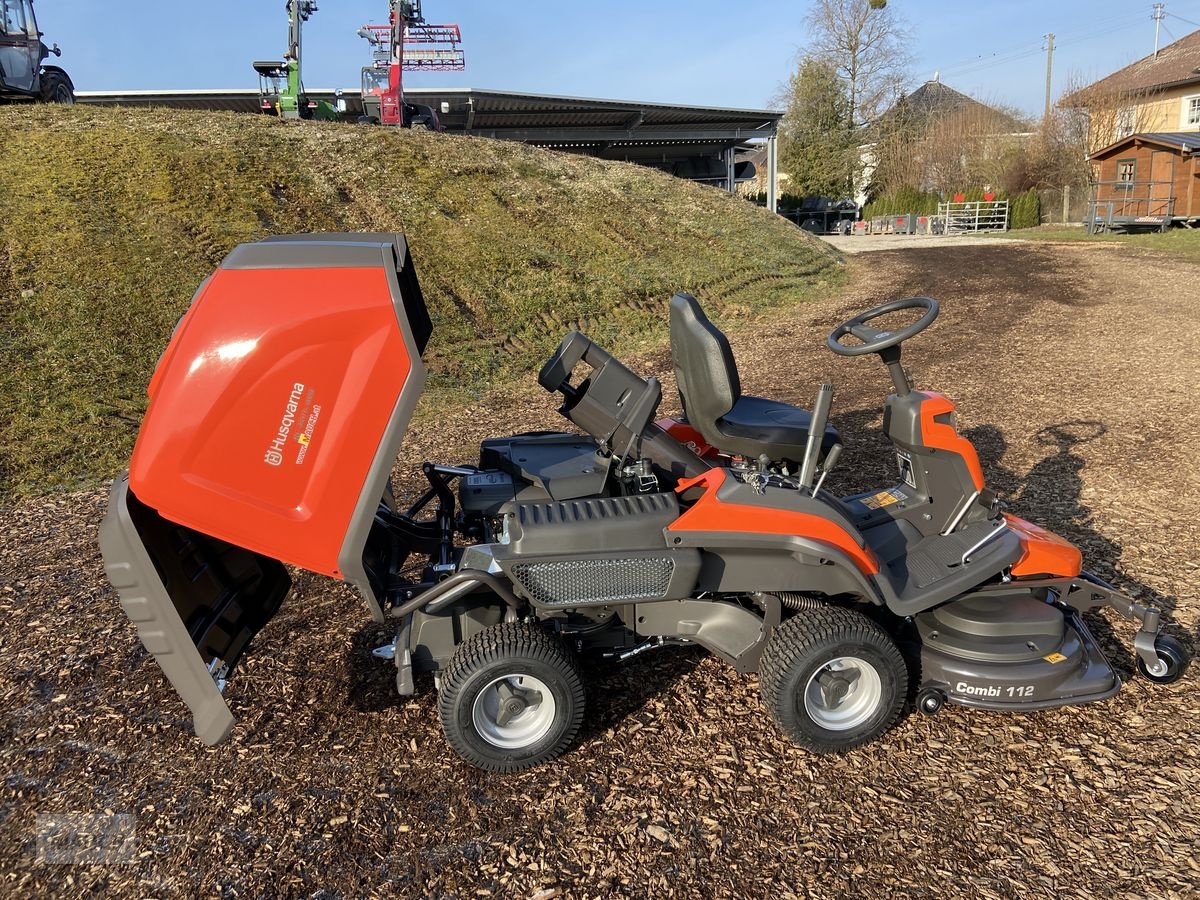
(109, 220)
(1183, 243)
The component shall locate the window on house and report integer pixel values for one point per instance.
(1126, 173)
(1191, 112)
(1125, 123)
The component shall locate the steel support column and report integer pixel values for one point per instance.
(729, 176)
(772, 172)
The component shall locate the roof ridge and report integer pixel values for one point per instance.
(1175, 64)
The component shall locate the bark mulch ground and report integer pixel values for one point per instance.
(1077, 383)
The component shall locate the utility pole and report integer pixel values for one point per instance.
(1049, 63)
(1157, 16)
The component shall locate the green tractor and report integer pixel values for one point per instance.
(279, 84)
(22, 75)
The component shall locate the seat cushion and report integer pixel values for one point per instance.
(781, 428)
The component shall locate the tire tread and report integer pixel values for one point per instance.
(496, 644)
(796, 637)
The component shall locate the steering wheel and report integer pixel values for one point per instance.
(874, 340)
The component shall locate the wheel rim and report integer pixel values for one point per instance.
(843, 694)
(514, 711)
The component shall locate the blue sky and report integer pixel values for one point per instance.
(701, 52)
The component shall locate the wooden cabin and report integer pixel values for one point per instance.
(1147, 182)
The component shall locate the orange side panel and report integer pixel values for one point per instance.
(268, 406)
(688, 436)
(943, 437)
(1044, 552)
(709, 513)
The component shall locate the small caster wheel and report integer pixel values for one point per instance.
(1172, 661)
(930, 701)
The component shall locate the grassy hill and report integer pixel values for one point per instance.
(110, 219)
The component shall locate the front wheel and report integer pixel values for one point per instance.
(511, 698)
(832, 679)
(1172, 661)
(57, 89)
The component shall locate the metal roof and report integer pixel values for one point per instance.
(621, 129)
(231, 100)
(1185, 141)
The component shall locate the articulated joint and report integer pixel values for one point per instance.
(444, 593)
(1099, 593)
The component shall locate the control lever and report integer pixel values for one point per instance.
(816, 431)
(831, 459)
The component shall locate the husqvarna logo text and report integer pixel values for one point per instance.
(274, 454)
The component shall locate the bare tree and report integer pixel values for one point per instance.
(1096, 117)
(867, 44)
(951, 148)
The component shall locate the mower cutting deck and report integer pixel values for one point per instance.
(276, 415)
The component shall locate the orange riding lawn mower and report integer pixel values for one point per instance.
(276, 415)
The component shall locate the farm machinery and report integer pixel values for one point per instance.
(280, 86)
(276, 415)
(22, 52)
(406, 43)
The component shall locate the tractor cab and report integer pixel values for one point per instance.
(272, 84)
(375, 94)
(22, 75)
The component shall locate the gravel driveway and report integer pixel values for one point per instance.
(872, 243)
(1078, 386)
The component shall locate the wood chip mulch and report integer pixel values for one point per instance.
(1075, 376)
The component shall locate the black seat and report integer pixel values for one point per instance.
(712, 398)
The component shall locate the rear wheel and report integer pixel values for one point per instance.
(57, 89)
(511, 698)
(832, 679)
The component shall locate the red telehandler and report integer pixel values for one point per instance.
(406, 43)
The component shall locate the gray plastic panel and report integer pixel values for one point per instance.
(350, 559)
(634, 522)
(1075, 671)
(732, 632)
(147, 603)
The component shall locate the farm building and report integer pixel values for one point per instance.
(1146, 181)
(1156, 94)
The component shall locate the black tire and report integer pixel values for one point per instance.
(867, 686)
(511, 656)
(930, 701)
(56, 88)
(1170, 652)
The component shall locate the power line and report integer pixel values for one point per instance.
(1095, 34)
(991, 63)
(1184, 21)
(995, 59)
(1017, 54)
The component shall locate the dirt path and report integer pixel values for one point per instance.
(874, 243)
(1078, 385)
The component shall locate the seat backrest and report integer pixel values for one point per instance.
(704, 366)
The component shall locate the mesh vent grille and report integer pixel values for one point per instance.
(588, 581)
